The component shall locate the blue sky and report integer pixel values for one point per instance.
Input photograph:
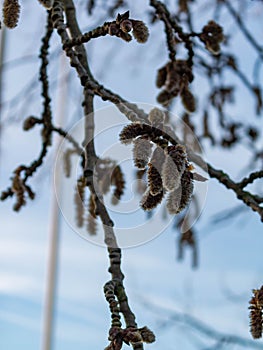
(230, 253)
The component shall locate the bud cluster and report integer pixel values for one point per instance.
(106, 175)
(19, 188)
(175, 78)
(130, 336)
(167, 166)
(123, 25)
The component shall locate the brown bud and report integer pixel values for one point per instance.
(161, 77)
(5, 195)
(188, 100)
(30, 122)
(164, 97)
(213, 47)
(125, 36)
(212, 35)
(126, 26)
(147, 335)
(113, 29)
(132, 336)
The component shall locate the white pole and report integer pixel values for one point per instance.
(2, 54)
(54, 223)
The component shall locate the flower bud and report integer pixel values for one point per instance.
(113, 29)
(30, 122)
(126, 26)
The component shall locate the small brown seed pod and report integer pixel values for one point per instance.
(140, 31)
(11, 11)
(126, 26)
(147, 335)
(113, 29)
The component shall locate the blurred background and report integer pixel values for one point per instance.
(187, 307)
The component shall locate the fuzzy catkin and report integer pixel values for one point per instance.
(79, 201)
(187, 190)
(179, 198)
(140, 31)
(256, 318)
(117, 179)
(149, 201)
(161, 77)
(174, 200)
(91, 220)
(188, 100)
(178, 155)
(67, 161)
(11, 12)
(142, 150)
(140, 183)
(155, 182)
(170, 175)
(174, 166)
(156, 116)
(157, 159)
(129, 132)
